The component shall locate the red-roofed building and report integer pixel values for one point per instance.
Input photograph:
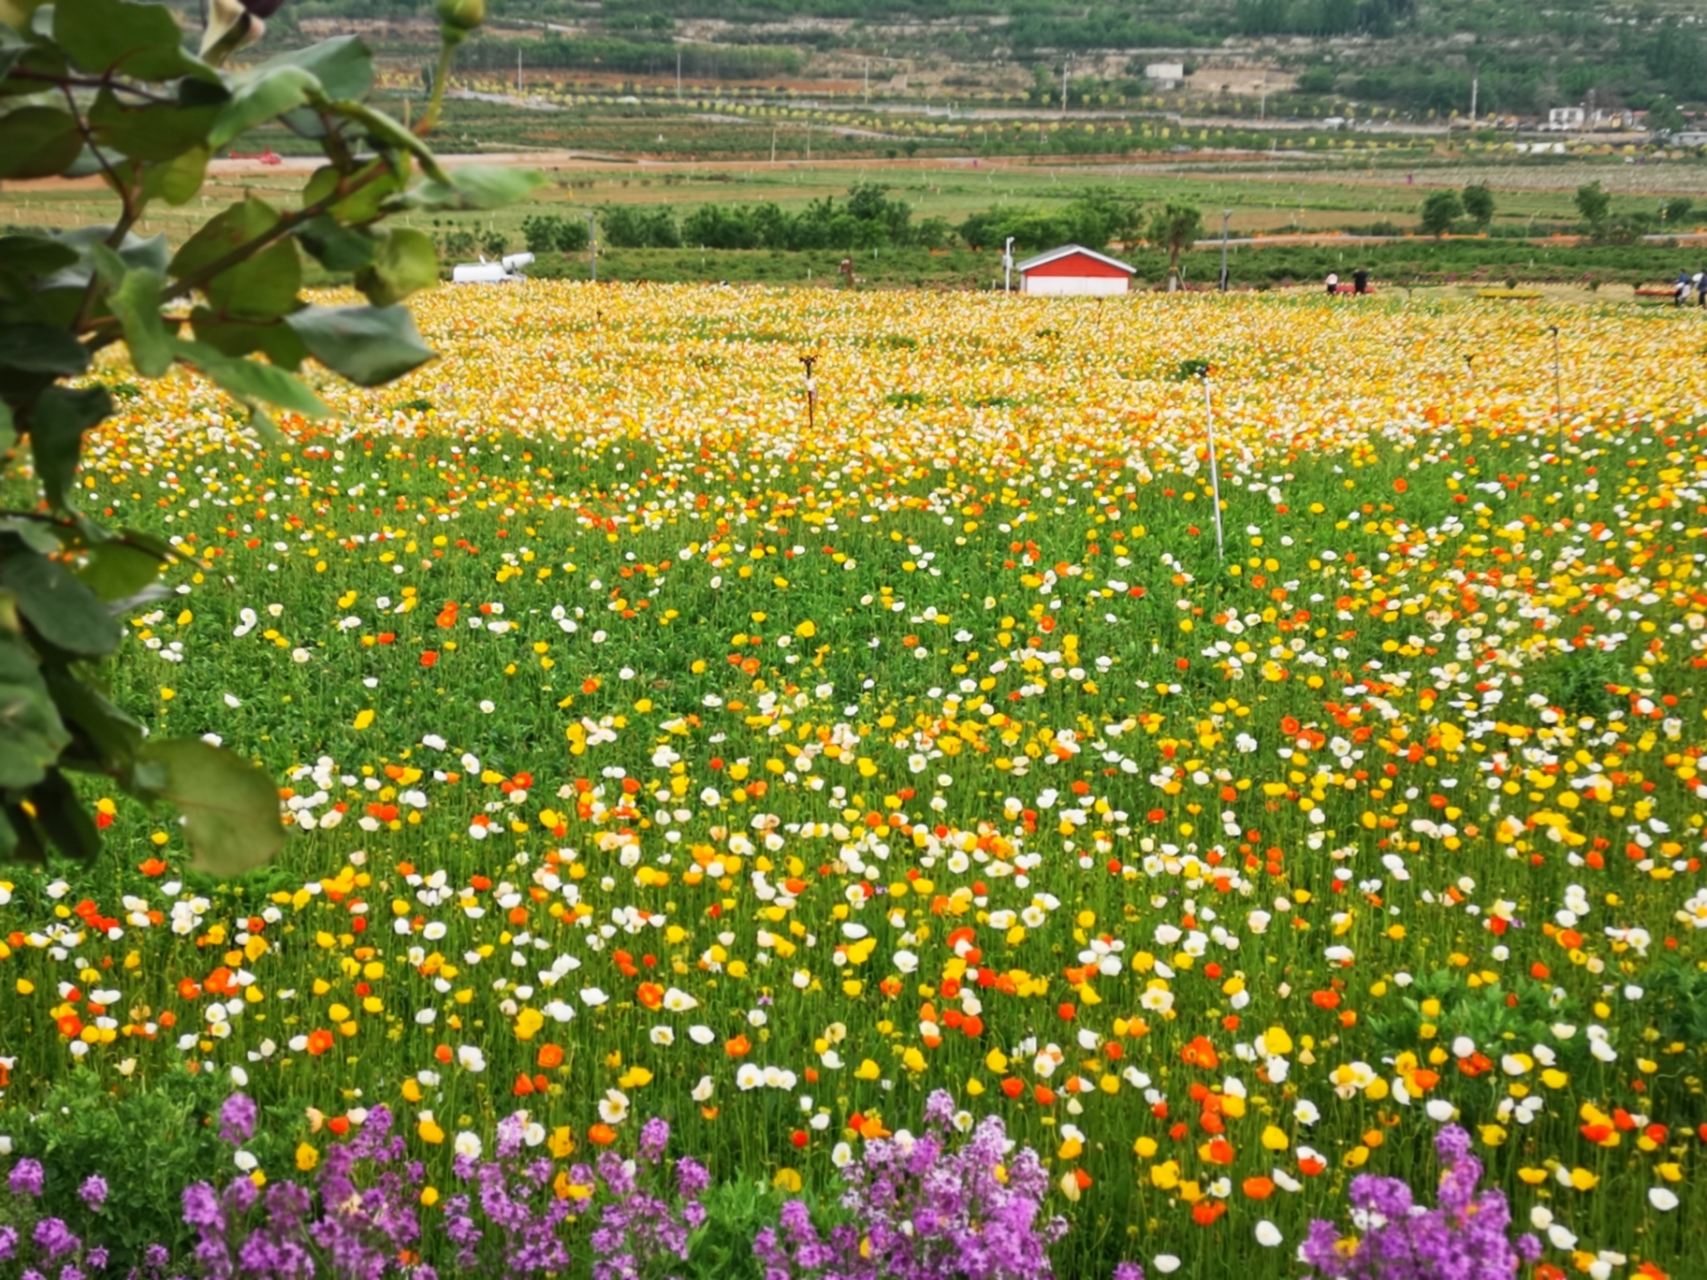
(1074, 269)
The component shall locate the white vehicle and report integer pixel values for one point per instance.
(503, 271)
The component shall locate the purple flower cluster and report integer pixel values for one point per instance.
(638, 1227)
(48, 1242)
(926, 1208)
(1466, 1236)
(365, 1225)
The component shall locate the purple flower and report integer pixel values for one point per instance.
(93, 1192)
(26, 1179)
(237, 1119)
(53, 1238)
(1128, 1271)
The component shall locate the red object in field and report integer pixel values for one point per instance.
(269, 156)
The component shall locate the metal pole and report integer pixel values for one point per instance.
(1225, 214)
(1066, 63)
(1558, 391)
(1008, 267)
(1214, 470)
(678, 75)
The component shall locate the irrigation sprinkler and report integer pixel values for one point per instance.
(811, 392)
(1214, 468)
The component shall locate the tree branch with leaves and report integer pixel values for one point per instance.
(107, 88)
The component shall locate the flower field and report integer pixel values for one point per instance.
(652, 753)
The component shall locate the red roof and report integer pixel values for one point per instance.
(1075, 260)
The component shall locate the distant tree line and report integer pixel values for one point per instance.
(632, 57)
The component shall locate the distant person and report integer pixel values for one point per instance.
(1680, 289)
(1360, 280)
(1333, 283)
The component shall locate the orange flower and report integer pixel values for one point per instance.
(651, 995)
(550, 1055)
(739, 1047)
(1204, 1212)
(601, 1135)
(1259, 1187)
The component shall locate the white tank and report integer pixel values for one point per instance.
(479, 273)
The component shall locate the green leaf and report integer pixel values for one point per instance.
(367, 345)
(142, 41)
(177, 180)
(335, 246)
(118, 570)
(33, 256)
(61, 815)
(42, 60)
(475, 186)
(38, 535)
(57, 423)
(404, 260)
(230, 806)
(239, 337)
(343, 66)
(8, 429)
(41, 348)
(156, 132)
(38, 142)
(365, 203)
(261, 99)
(249, 381)
(31, 733)
(63, 611)
(260, 287)
(136, 302)
(109, 737)
(384, 132)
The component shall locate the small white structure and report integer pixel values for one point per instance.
(1167, 75)
(1074, 270)
(1566, 119)
(503, 271)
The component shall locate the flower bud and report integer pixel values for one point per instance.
(458, 17)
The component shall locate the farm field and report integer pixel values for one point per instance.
(657, 744)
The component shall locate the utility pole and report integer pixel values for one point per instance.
(1008, 266)
(773, 144)
(1475, 82)
(1066, 65)
(1225, 214)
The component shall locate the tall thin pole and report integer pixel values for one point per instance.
(678, 75)
(1225, 214)
(1008, 266)
(773, 144)
(1475, 81)
(592, 247)
(518, 70)
(1214, 469)
(811, 391)
(1066, 64)
(1558, 391)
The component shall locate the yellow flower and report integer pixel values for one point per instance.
(364, 718)
(306, 1157)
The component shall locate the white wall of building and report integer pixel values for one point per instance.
(1065, 286)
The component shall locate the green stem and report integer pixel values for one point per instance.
(447, 50)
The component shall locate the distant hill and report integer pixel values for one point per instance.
(1404, 57)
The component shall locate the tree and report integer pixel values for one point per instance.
(230, 290)
(1678, 211)
(1478, 202)
(1595, 206)
(1439, 211)
(1175, 228)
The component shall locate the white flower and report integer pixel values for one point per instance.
(613, 1108)
(467, 1143)
(701, 1035)
(1167, 1263)
(1440, 1110)
(749, 1077)
(841, 1155)
(704, 1089)
(1662, 1198)
(1268, 1235)
(678, 1001)
(663, 1036)
(471, 1058)
(593, 997)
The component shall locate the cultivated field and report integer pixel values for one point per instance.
(657, 744)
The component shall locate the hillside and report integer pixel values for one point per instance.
(1403, 59)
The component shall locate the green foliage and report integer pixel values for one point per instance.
(1478, 202)
(1595, 206)
(550, 233)
(1440, 210)
(231, 290)
(82, 1129)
